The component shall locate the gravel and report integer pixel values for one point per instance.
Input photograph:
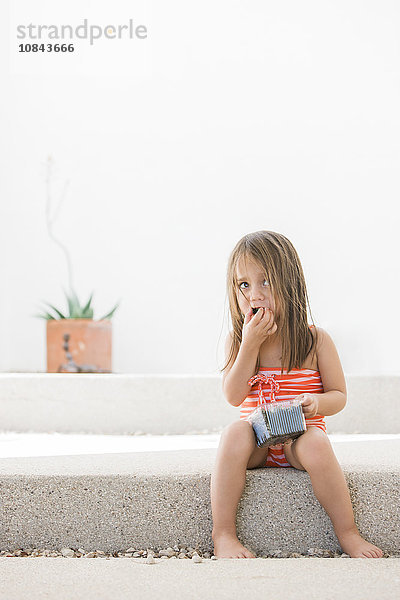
(150, 554)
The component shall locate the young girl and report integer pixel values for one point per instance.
(277, 349)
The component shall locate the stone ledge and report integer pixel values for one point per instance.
(176, 404)
(159, 499)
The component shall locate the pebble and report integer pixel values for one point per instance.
(175, 552)
(150, 560)
(320, 553)
(196, 558)
(168, 552)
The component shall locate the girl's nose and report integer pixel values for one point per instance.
(256, 294)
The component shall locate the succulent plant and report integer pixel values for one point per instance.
(75, 308)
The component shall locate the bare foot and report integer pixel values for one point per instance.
(356, 547)
(226, 545)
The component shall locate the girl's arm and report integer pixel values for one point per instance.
(234, 379)
(334, 398)
(256, 329)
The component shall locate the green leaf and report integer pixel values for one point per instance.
(76, 312)
(74, 307)
(56, 310)
(70, 303)
(86, 307)
(46, 316)
(75, 299)
(88, 314)
(60, 315)
(110, 314)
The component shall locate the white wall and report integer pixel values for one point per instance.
(231, 117)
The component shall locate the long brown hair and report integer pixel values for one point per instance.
(276, 255)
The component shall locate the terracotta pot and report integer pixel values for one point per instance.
(79, 346)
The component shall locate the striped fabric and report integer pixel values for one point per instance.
(283, 387)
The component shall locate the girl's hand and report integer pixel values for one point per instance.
(256, 328)
(309, 404)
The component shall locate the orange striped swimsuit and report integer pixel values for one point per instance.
(283, 387)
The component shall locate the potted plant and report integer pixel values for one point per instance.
(76, 343)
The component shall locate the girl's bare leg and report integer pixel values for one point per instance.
(237, 452)
(313, 452)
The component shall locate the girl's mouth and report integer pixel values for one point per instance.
(255, 310)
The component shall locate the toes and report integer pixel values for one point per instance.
(245, 554)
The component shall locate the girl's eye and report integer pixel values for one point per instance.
(244, 283)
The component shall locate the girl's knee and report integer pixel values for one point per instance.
(238, 434)
(314, 444)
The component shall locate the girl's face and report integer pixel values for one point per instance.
(253, 290)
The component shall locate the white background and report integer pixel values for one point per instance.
(231, 117)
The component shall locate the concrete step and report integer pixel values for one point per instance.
(176, 404)
(158, 499)
(292, 578)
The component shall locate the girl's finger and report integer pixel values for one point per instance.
(270, 326)
(248, 316)
(266, 315)
(259, 314)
